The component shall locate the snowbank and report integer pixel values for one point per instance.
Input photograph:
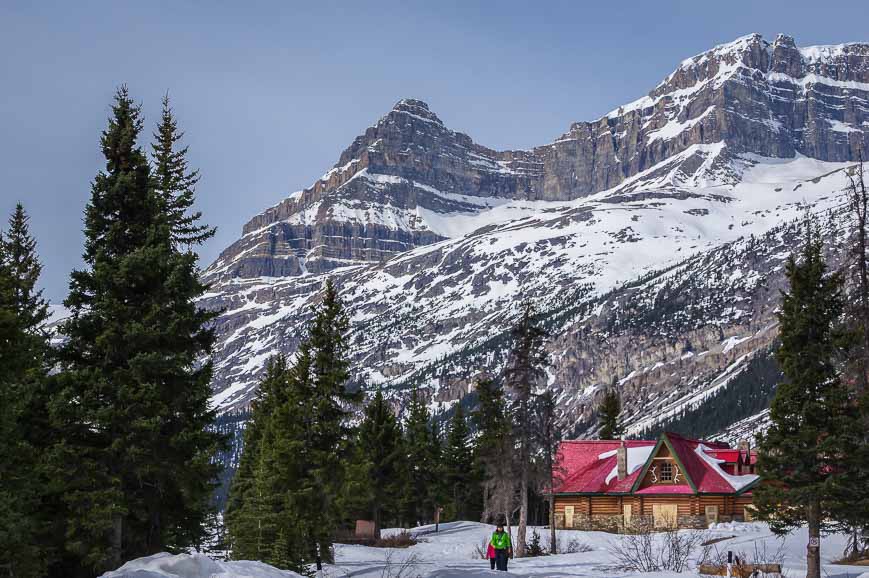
(452, 553)
(165, 565)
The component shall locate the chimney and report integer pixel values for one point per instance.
(622, 461)
(742, 445)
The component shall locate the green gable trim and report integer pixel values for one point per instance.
(748, 487)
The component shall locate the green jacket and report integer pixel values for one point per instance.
(501, 541)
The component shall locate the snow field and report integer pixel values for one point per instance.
(452, 553)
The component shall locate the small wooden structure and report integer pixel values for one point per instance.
(365, 530)
(673, 481)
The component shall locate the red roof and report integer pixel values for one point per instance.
(588, 467)
(582, 470)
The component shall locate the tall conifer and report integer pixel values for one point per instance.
(806, 453)
(458, 467)
(609, 414)
(493, 451)
(525, 369)
(420, 479)
(27, 520)
(131, 403)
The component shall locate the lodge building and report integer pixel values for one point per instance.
(669, 482)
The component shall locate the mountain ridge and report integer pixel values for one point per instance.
(434, 238)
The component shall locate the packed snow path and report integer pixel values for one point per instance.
(452, 553)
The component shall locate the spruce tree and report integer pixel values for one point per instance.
(547, 439)
(420, 479)
(609, 414)
(131, 402)
(244, 510)
(330, 407)
(493, 452)
(856, 509)
(805, 455)
(377, 461)
(175, 183)
(27, 544)
(23, 268)
(458, 467)
(285, 502)
(525, 370)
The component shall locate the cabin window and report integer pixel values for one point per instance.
(711, 514)
(665, 515)
(568, 516)
(667, 472)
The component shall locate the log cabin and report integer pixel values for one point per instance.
(673, 481)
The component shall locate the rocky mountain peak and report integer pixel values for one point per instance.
(417, 108)
(785, 41)
(434, 238)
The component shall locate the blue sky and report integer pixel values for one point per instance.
(270, 93)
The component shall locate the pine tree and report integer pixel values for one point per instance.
(525, 369)
(330, 407)
(373, 491)
(243, 510)
(419, 479)
(856, 509)
(27, 544)
(23, 268)
(175, 183)
(547, 438)
(493, 451)
(806, 452)
(131, 402)
(286, 500)
(458, 467)
(609, 414)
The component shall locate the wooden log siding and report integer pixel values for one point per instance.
(605, 511)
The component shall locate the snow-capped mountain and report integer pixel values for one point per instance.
(652, 239)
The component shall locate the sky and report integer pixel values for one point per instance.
(270, 92)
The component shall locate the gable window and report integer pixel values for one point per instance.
(667, 472)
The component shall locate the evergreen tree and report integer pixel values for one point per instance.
(458, 467)
(27, 544)
(493, 451)
(286, 500)
(243, 509)
(547, 438)
(525, 369)
(18, 250)
(805, 454)
(131, 402)
(420, 479)
(329, 407)
(374, 487)
(175, 182)
(609, 413)
(856, 509)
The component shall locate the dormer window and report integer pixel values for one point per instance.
(667, 472)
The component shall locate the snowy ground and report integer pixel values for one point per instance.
(451, 553)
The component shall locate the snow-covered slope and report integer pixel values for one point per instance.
(662, 223)
(452, 553)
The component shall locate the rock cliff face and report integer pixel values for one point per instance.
(663, 223)
(773, 100)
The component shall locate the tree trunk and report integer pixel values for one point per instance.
(523, 511)
(813, 549)
(553, 542)
(115, 555)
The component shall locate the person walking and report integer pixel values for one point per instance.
(503, 547)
